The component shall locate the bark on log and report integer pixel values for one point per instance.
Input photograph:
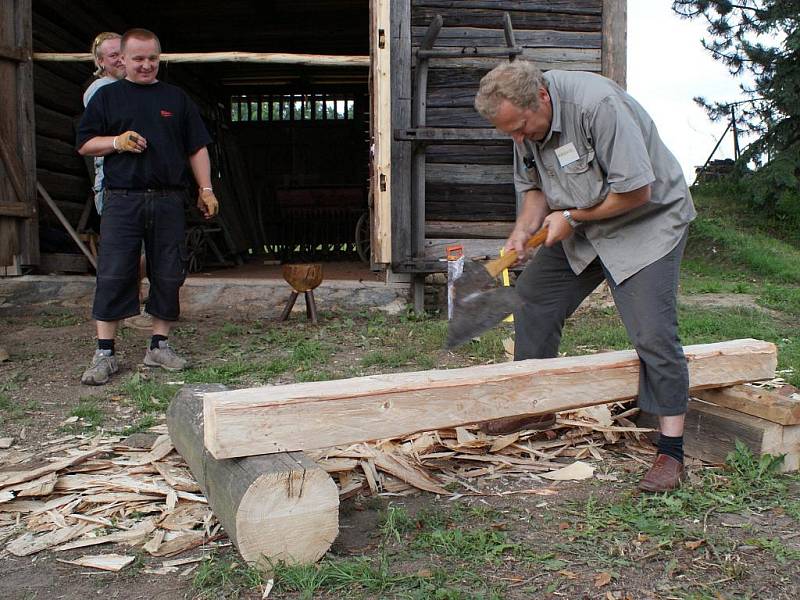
(277, 507)
(323, 414)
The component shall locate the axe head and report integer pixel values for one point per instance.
(477, 311)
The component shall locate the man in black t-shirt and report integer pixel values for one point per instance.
(147, 131)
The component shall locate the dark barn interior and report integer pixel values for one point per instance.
(291, 152)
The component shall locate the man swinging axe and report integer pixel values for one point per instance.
(590, 165)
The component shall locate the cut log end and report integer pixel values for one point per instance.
(291, 517)
(279, 507)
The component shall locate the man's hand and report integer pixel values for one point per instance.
(516, 241)
(130, 141)
(207, 203)
(557, 228)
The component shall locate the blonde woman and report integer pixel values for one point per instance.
(109, 68)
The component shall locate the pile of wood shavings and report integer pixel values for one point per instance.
(81, 491)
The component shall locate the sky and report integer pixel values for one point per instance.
(667, 68)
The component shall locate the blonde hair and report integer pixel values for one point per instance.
(95, 49)
(518, 82)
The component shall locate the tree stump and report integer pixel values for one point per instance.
(274, 507)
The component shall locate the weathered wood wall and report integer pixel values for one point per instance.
(472, 183)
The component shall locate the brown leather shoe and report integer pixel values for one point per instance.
(666, 474)
(507, 425)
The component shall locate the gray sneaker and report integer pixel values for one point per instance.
(104, 365)
(164, 357)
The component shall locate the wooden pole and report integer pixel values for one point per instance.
(310, 415)
(277, 507)
(63, 220)
(324, 60)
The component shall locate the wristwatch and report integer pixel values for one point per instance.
(568, 218)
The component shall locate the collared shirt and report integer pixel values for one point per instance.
(607, 143)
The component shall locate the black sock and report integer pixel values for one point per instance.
(105, 345)
(155, 339)
(671, 446)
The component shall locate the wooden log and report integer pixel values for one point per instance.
(750, 400)
(59, 262)
(456, 16)
(58, 156)
(499, 230)
(280, 507)
(280, 58)
(711, 432)
(493, 38)
(323, 414)
(469, 174)
(473, 248)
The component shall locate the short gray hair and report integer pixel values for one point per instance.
(518, 82)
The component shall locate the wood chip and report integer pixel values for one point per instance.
(104, 562)
(31, 544)
(576, 471)
(6, 442)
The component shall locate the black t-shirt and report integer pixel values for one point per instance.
(163, 114)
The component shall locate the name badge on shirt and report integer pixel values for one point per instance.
(567, 154)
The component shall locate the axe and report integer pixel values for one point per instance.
(478, 306)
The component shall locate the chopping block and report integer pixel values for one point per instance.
(303, 277)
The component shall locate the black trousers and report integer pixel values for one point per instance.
(647, 303)
(129, 218)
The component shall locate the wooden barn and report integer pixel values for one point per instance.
(343, 129)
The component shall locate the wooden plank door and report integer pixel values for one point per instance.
(19, 231)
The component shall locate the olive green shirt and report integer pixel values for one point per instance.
(606, 142)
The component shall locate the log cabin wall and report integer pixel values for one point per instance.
(469, 192)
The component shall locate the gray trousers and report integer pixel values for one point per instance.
(646, 301)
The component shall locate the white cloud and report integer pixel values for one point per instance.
(667, 68)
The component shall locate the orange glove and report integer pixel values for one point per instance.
(207, 203)
(130, 141)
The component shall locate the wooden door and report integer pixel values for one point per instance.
(19, 232)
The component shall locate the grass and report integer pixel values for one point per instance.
(58, 320)
(89, 413)
(147, 395)
(219, 577)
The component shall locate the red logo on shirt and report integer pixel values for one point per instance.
(166, 114)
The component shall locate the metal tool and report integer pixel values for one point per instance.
(479, 306)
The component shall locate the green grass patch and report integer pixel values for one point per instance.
(220, 577)
(147, 395)
(89, 411)
(748, 482)
(57, 320)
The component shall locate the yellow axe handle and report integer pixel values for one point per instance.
(496, 266)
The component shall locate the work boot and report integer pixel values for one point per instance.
(104, 365)
(506, 425)
(666, 474)
(164, 357)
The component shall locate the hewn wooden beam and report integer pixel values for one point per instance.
(747, 399)
(323, 414)
(16, 209)
(281, 507)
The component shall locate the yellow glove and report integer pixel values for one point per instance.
(130, 141)
(207, 203)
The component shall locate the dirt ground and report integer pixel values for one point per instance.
(40, 383)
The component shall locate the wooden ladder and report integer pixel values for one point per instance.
(422, 136)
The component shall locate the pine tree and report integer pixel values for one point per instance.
(760, 38)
